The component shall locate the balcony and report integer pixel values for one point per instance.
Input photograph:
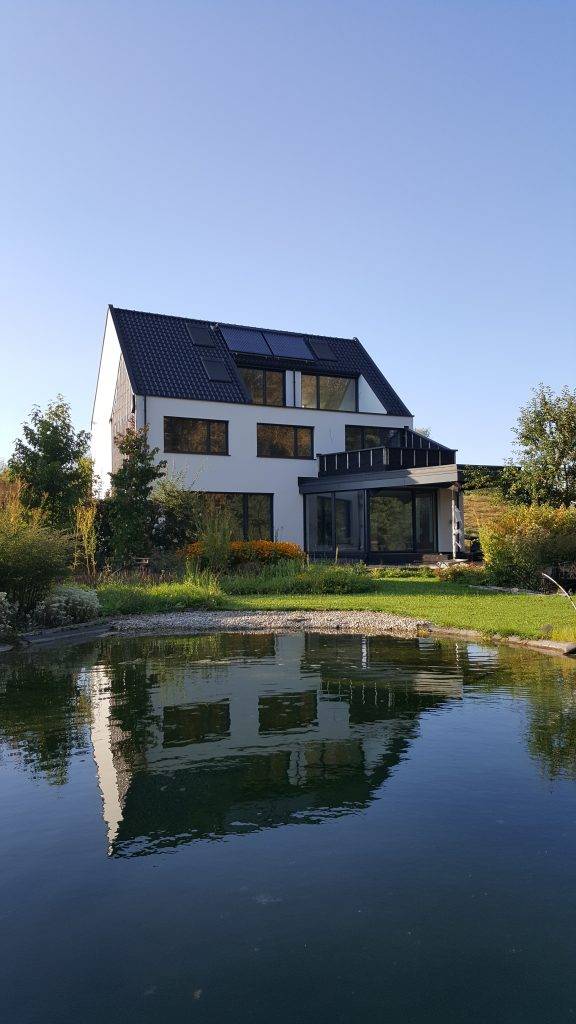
(410, 451)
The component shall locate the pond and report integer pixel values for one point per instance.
(296, 828)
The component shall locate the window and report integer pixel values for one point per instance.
(281, 711)
(425, 517)
(322, 392)
(185, 436)
(349, 520)
(251, 514)
(397, 520)
(216, 370)
(391, 521)
(202, 336)
(196, 723)
(281, 441)
(335, 520)
(266, 387)
(371, 437)
(319, 521)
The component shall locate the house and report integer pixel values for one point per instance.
(239, 733)
(301, 435)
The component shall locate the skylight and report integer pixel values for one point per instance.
(216, 370)
(201, 336)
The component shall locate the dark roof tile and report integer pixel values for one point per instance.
(163, 360)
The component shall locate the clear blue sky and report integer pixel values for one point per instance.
(401, 171)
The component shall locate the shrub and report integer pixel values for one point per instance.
(33, 556)
(403, 572)
(85, 537)
(215, 538)
(67, 605)
(335, 579)
(289, 578)
(178, 514)
(244, 552)
(131, 599)
(7, 618)
(462, 572)
(526, 540)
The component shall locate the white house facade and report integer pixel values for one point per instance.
(301, 435)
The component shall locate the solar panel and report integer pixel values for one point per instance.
(291, 346)
(200, 335)
(321, 348)
(216, 369)
(245, 339)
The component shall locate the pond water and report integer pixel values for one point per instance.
(292, 828)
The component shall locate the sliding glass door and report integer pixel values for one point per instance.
(391, 521)
(394, 521)
(335, 520)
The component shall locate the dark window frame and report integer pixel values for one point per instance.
(366, 550)
(245, 495)
(364, 430)
(209, 422)
(338, 376)
(265, 371)
(287, 426)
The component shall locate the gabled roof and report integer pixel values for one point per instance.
(163, 359)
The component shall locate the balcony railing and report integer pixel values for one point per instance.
(384, 458)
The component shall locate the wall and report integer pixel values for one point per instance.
(122, 412)
(242, 470)
(101, 445)
(445, 520)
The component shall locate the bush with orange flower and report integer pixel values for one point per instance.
(243, 552)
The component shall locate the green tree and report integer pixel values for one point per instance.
(130, 509)
(52, 462)
(544, 469)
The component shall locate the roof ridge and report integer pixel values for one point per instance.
(227, 323)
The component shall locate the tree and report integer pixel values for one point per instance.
(130, 508)
(544, 469)
(52, 462)
(179, 513)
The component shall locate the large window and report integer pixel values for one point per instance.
(425, 520)
(391, 521)
(335, 520)
(322, 392)
(281, 441)
(185, 436)
(251, 514)
(319, 523)
(402, 520)
(370, 437)
(266, 387)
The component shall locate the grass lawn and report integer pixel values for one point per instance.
(444, 604)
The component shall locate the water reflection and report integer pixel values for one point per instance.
(205, 737)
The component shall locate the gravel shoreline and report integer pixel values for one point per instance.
(271, 622)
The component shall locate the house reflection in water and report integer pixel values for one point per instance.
(202, 737)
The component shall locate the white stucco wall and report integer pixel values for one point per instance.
(101, 445)
(445, 519)
(242, 470)
(367, 400)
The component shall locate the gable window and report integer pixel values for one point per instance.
(320, 391)
(265, 387)
(186, 436)
(370, 437)
(281, 441)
